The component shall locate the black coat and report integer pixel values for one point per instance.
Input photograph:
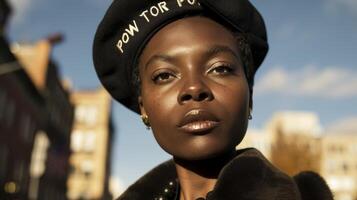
(249, 176)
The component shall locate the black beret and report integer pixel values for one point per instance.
(129, 24)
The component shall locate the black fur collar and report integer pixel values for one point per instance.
(249, 176)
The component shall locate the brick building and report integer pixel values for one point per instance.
(295, 141)
(91, 144)
(21, 118)
(37, 62)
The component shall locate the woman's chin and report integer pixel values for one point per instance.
(201, 147)
(198, 154)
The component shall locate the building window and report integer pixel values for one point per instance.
(342, 149)
(345, 167)
(86, 114)
(83, 141)
(332, 148)
(76, 140)
(89, 141)
(87, 167)
(39, 154)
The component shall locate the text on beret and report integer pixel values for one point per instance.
(148, 14)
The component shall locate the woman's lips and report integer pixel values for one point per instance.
(198, 121)
(199, 126)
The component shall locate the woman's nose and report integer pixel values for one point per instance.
(195, 90)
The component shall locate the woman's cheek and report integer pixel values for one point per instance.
(159, 105)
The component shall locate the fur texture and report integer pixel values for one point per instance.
(312, 186)
(249, 176)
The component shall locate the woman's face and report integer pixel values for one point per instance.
(194, 89)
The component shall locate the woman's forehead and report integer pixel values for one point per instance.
(190, 33)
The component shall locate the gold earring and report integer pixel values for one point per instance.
(250, 114)
(145, 120)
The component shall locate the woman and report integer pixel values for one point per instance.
(188, 68)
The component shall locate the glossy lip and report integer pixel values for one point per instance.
(198, 121)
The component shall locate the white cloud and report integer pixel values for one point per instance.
(116, 187)
(274, 80)
(336, 5)
(21, 9)
(329, 82)
(347, 125)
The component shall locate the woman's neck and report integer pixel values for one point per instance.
(197, 178)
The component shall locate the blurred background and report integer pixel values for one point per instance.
(63, 137)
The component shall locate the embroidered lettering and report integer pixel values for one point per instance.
(125, 37)
(148, 14)
(132, 28)
(163, 7)
(120, 46)
(143, 14)
(154, 11)
(180, 2)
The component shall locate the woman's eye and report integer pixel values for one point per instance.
(221, 70)
(163, 77)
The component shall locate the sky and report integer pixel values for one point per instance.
(311, 66)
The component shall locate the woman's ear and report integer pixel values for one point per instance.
(141, 106)
(144, 116)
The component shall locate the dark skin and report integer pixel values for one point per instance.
(196, 96)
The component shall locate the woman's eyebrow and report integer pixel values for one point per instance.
(217, 49)
(211, 52)
(161, 57)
